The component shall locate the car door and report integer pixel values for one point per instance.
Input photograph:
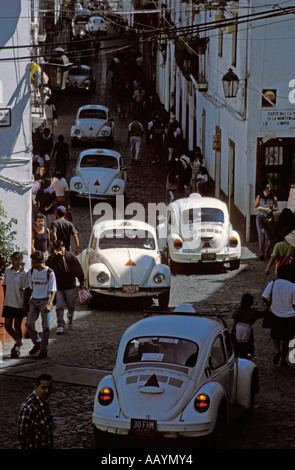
(222, 365)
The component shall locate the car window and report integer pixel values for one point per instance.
(123, 238)
(99, 161)
(79, 71)
(93, 114)
(161, 349)
(217, 358)
(204, 214)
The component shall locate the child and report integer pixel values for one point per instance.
(244, 317)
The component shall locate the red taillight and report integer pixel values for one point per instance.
(105, 396)
(177, 243)
(233, 242)
(202, 403)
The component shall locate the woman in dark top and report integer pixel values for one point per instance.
(40, 236)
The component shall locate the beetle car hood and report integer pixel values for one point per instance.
(97, 179)
(128, 265)
(91, 127)
(77, 80)
(156, 393)
(210, 235)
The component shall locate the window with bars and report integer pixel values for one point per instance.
(278, 169)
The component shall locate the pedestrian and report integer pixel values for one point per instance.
(157, 134)
(284, 225)
(174, 180)
(114, 70)
(244, 317)
(67, 268)
(42, 284)
(39, 178)
(41, 236)
(282, 295)
(46, 144)
(14, 281)
(283, 253)
(196, 163)
(174, 137)
(135, 133)
(61, 155)
(122, 98)
(60, 186)
(266, 204)
(202, 181)
(138, 99)
(50, 115)
(46, 200)
(35, 428)
(63, 229)
(186, 175)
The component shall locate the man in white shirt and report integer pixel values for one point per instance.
(281, 293)
(41, 280)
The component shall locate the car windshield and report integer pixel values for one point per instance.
(99, 161)
(161, 349)
(202, 214)
(93, 114)
(123, 238)
(77, 71)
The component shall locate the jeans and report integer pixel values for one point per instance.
(135, 142)
(65, 298)
(36, 307)
(265, 233)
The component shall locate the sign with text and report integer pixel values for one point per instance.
(277, 119)
(5, 117)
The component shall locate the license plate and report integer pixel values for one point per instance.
(130, 289)
(208, 256)
(143, 426)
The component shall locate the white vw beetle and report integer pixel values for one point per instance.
(123, 259)
(176, 376)
(93, 124)
(100, 174)
(96, 25)
(198, 230)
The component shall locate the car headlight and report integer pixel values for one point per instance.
(102, 277)
(233, 242)
(77, 131)
(177, 243)
(78, 185)
(105, 396)
(159, 277)
(202, 402)
(116, 188)
(105, 132)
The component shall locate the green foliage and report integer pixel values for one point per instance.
(7, 238)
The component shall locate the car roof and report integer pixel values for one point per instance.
(97, 18)
(123, 223)
(99, 151)
(194, 328)
(78, 66)
(93, 106)
(195, 200)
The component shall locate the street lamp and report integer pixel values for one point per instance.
(230, 82)
(57, 69)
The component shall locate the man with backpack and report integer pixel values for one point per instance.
(157, 133)
(41, 284)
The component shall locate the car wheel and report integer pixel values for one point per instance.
(216, 438)
(254, 389)
(164, 299)
(234, 264)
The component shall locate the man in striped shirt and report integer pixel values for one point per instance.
(35, 429)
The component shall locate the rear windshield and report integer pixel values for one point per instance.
(122, 238)
(161, 349)
(93, 114)
(79, 71)
(202, 214)
(99, 161)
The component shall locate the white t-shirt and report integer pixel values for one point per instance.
(283, 297)
(14, 281)
(60, 186)
(38, 282)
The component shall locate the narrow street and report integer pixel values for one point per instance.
(91, 343)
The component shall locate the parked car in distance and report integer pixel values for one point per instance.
(100, 174)
(81, 78)
(123, 260)
(176, 376)
(96, 25)
(198, 230)
(80, 21)
(93, 124)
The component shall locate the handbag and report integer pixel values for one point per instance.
(84, 295)
(267, 315)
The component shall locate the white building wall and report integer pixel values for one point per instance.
(15, 139)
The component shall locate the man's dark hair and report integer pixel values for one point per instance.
(47, 182)
(284, 272)
(45, 377)
(247, 300)
(39, 215)
(57, 245)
